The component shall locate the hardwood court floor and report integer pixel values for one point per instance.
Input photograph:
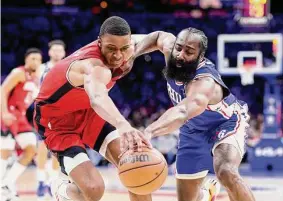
(265, 188)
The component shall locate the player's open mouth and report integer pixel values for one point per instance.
(118, 62)
(179, 64)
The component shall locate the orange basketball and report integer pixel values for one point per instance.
(143, 172)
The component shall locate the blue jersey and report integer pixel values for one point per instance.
(214, 115)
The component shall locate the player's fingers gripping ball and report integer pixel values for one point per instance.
(143, 172)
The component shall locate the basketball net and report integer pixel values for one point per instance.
(247, 74)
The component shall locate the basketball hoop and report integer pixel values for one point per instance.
(247, 74)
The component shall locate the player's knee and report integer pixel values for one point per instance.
(226, 173)
(30, 152)
(5, 154)
(42, 148)
(95, 189)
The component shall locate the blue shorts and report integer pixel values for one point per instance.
(195, 148)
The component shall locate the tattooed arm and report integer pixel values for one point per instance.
(158, 40)
(199, 93)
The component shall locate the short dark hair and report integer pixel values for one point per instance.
(203, 38)
(115, 26)
(32, 50)
(56, 42)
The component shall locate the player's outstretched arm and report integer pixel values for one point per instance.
(199, 93)
(7, 86)
(96, 79)
(158, 40)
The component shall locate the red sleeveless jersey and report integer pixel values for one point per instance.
(63, 115)
(57, 96)
(24, 93)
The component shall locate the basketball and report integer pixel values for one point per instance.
(143, 172)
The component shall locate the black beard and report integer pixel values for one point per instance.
(181, 74)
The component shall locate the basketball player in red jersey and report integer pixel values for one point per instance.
(18, 91)
(73, 106)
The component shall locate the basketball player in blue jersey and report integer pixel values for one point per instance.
(56, 53)
(211, 120)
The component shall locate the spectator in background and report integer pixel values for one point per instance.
(255, 130)
(56, 53)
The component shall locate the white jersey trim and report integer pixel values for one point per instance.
(203, 75)
(222, 108)
(201, 64)
(198, 175)
(67, 77)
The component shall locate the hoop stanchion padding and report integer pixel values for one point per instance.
(268, 153)
(267, 156)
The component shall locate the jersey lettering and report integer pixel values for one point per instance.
(175, 97)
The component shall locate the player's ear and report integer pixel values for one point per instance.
(201, 56)
(99, 41)
(49, 52)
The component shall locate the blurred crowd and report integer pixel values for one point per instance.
(23, 28)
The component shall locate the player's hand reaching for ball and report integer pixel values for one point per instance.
(8, 118)
(131, 138)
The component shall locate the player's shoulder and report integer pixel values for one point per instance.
(206, 63)
(207, 67)
(91, 62)
(99, 66)
(17, 74)
(18, 71)
(88, 65)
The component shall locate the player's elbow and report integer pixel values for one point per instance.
(166, 35)
(201, 102)
(182, 113)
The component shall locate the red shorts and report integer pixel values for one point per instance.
(77, 129)
(21, 125)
